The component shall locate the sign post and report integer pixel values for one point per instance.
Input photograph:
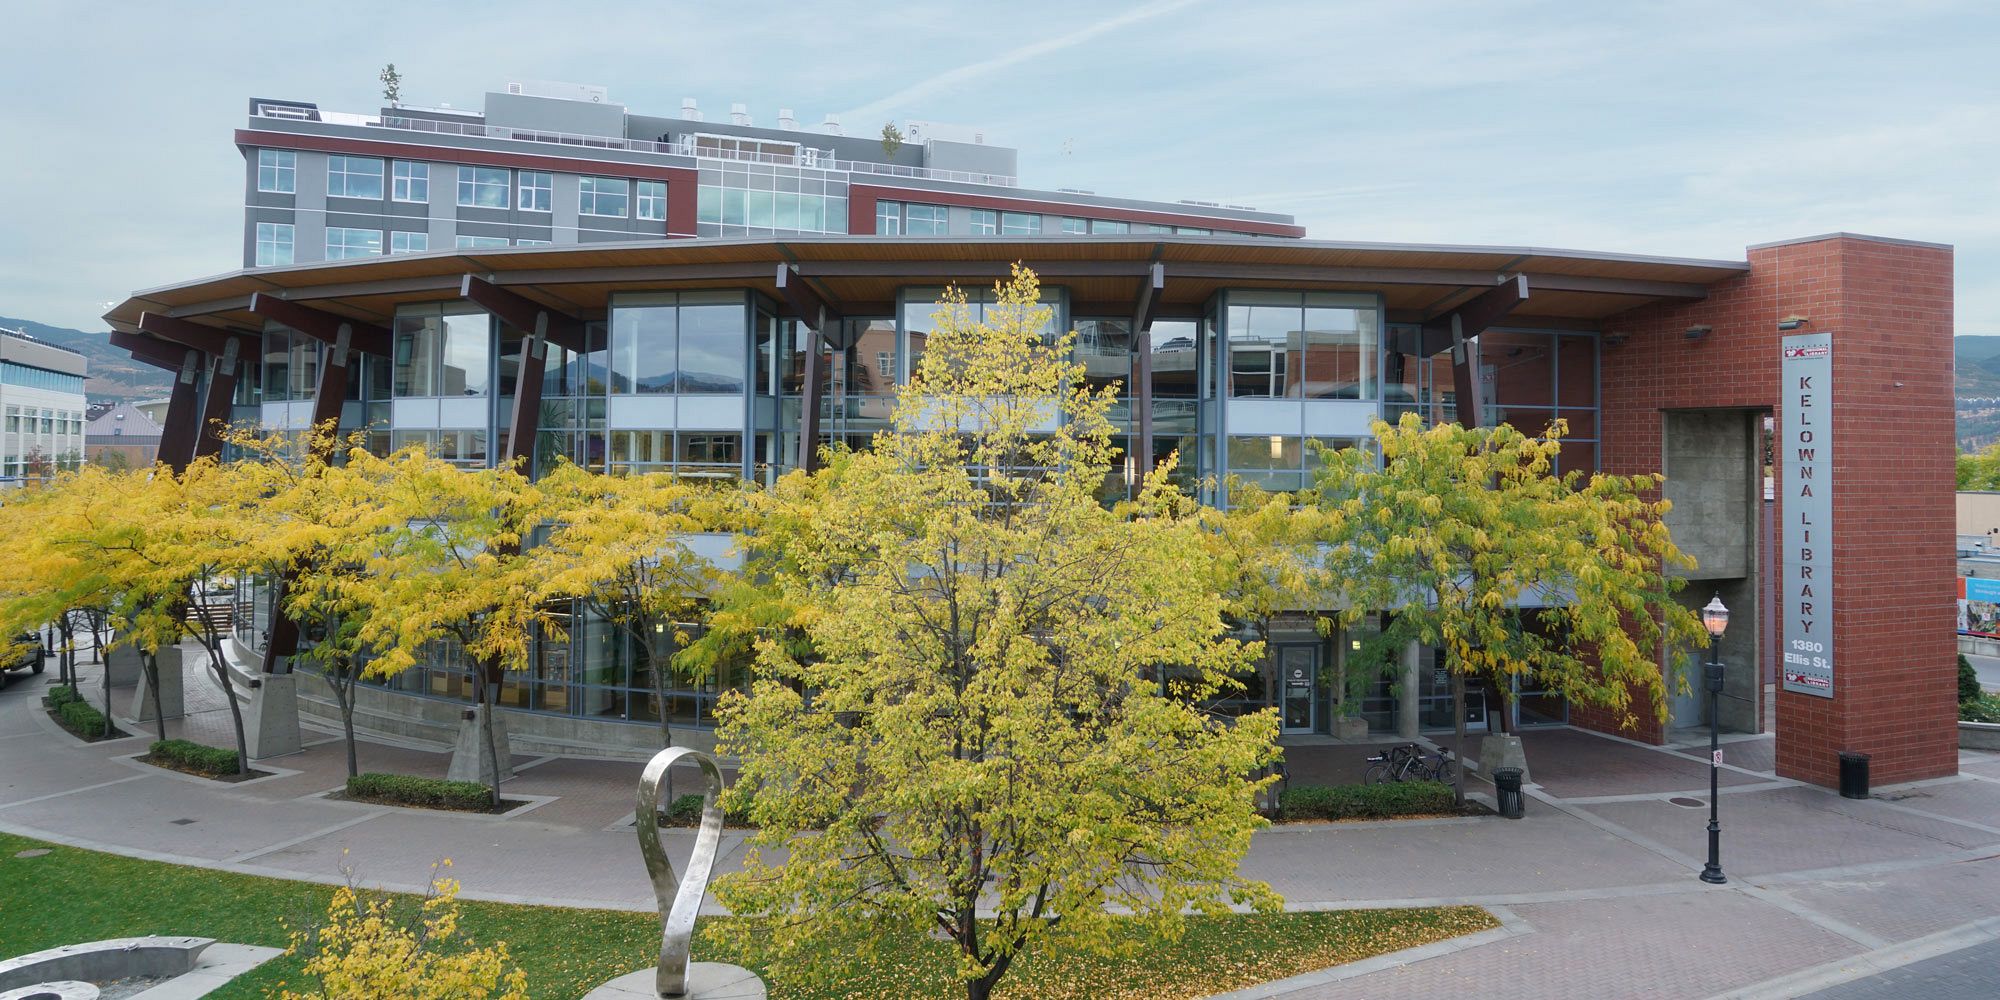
(1805, 455)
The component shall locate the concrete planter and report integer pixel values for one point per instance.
(469, 759)
(1499, 750)
(1979, 735)
(1350, 729)
(173, 704)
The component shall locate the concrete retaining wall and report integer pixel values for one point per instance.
(1979, 736)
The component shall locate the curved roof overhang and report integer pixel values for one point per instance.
(860, 276)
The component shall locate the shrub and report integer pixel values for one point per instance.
(195, 758)
(685, 810)
(1400, 798)
(1985, 708)
(1968, 681)
(368, 946)
(424, 793)
(64, 694)
(81, 718)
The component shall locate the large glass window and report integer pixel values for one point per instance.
(927, 220)
(344, 243)
(410, 182)
(985, 222)
(277, 365)
(888, 218)
(1288, 345)
(1074, 227)
(1020, 224)
(1108, 226)
(920, 305)
(653, 200)
(400, 242)
(482, 187)
(354, 177)
(274, 244)
(603, 196)
(1176, 359)
(277, 170)
(1104, 348)
(692, 343)
(742, 199)
(480, 242)
(537, 191)
(442, 351)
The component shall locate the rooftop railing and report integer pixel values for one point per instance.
(820, 159)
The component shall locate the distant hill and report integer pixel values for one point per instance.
(112, 372)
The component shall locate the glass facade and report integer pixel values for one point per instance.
(736, 198)
(658, 390)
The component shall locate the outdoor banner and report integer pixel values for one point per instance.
(1805, 454)
(1979, 607)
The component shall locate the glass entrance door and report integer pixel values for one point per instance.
(1298, 681)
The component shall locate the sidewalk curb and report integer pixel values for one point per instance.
(1511, 926)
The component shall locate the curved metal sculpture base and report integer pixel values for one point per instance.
(680, 901)
(705, 981)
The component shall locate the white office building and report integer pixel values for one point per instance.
(42, 406)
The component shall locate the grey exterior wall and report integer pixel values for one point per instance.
(550, 114)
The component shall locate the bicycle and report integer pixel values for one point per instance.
(1408, 762)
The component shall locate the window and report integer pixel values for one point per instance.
(751, 201)
(1020, 224)
(1191, 231)
(885, 365)
(538, 191)
(438, 353)
(409, 242)
(1074, 227)
(1107, 226)
(274, 244)
(1313, 346)
(344, 243)
(482, 187)
(277, 170)
(692, 343)
(605, 196)
(984, 222)
(927, 220)
(888, 218)
(1154, 227)
(353, 177)
(533, 243)
(481, 242)
(653, 200)
(410, 182)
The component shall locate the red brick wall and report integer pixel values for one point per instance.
(1889, 307)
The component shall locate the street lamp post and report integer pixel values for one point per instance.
(1714, 618)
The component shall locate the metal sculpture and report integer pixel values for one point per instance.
(680, 900)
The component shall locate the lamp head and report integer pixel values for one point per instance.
(1714, 617)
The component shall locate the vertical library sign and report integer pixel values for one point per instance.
(1805, 454)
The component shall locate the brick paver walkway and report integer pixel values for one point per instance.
(1596, 882)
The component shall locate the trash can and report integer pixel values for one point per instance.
(1853, 775)
(1507, 790)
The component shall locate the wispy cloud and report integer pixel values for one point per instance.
(901, 99)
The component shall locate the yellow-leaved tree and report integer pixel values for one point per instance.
(987, 751)
(367, 947)
(433, 559)
(1470, 544)
(620, 545)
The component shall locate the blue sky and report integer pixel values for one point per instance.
(1684, 128)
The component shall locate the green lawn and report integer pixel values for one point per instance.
(73, 895)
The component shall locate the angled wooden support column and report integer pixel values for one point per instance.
(808, 305)
(543, 326)
(177, 438)
(1141, 390)
(224, 350)
(1462, 327)
(324, 326)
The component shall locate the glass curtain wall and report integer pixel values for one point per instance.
(1312, 345)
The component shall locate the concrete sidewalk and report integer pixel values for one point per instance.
(1597, 884)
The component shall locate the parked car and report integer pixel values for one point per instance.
(27, 654)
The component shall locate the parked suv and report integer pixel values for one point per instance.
(26, 654)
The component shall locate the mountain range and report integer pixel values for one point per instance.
(113, 375)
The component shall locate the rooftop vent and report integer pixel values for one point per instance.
(831, 126)
(1242, 208)
(1074, 191)
(786, 121)
(1203, 204)
(739, 114)
(514, 88)
(689, 111)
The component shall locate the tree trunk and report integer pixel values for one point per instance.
(343, 694)
(487, 690)
(150, 662)
(107, 701)
(1458, 723)
(215, 662)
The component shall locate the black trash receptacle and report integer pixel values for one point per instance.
(1507, 790)
(1853, 775)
